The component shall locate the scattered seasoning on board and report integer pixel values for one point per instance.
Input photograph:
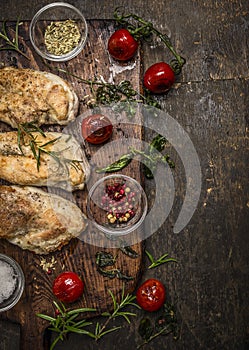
(61, 37)
(48, 266)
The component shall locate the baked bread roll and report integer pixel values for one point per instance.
(38, 221)
(28, 95)
(68, 168)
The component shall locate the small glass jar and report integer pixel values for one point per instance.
(117, 204)
(52, 14)
(11, 284)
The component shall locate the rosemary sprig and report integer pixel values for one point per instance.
(118, 311)
(11, 44)
(65, 322)
(143, 30)
(157, 262)
(25, 137)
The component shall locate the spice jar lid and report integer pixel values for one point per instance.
(58, 32)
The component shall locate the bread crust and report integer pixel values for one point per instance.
(30, 95)
(38, 221)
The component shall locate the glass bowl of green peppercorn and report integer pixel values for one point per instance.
(58, 32)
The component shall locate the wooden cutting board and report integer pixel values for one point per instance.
(78, 255)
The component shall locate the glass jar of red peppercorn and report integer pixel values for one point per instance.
(117, 204)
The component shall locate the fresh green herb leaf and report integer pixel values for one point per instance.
(11, 43)
(66, 322)
(121, 163)
(46, 317)
(25, 137)
(118, 311)
(157, 262)
(151, 157)
(81, 310)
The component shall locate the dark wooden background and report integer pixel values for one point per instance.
(210, 101)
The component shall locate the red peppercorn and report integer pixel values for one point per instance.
(57, 312)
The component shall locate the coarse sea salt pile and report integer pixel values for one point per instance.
(7, 281)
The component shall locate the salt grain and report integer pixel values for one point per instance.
(8, 281)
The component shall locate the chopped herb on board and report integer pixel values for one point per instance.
(104, 259)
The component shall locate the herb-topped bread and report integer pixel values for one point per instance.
(47, 159)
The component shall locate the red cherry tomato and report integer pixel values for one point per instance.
(151, 295)
(159, 78)
(121, 45)
(68, 287)
(96, 128)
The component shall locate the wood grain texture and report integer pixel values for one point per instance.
(77, 256)
(210, 281)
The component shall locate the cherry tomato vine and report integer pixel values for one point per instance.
(142, 29)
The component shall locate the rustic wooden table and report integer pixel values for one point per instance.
(209, 100)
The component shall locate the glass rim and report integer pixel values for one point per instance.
(20, 278)
(73, 53)
(118, 231)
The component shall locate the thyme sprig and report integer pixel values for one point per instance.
(26, 137)
(105, 93)
(66, 322)
(118, 311)
(11, 44)
(142, 29)
(157, 262)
